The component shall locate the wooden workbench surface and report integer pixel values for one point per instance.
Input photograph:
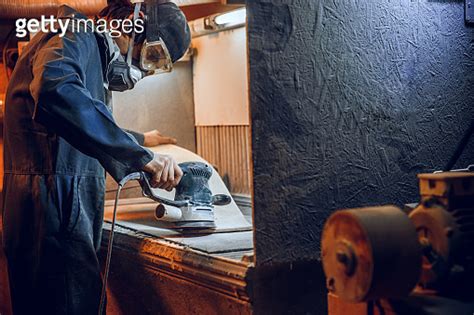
(154, 265)
(232, 238)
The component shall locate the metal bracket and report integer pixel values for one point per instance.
(469, 12)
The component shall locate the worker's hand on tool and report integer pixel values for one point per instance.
(165, 172)
(154, 138)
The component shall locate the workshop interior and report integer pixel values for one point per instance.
(325, 148)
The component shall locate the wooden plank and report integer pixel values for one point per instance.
(229, 235)
(140, 216)
(224, 275)
(218, 242)
(244, 202)
(154, 276)
(239, 255)
(226, 217)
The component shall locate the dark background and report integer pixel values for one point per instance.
(350, 100)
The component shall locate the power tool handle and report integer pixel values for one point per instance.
(148, 192)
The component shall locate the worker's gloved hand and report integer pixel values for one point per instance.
(165, 172)
(154, 137)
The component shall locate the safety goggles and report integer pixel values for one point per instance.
(155, 57)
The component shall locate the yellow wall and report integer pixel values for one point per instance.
(220, 78)
(221, 105)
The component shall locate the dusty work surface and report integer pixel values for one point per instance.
(171, 278)
(232, 237)
(233, 232)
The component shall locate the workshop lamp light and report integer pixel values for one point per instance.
(219, 22)
(232, 18)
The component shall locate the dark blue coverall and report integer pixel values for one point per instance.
(58, 137)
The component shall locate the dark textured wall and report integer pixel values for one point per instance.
(350, 100)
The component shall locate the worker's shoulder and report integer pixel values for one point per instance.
(79, 45)
(65, 10)
(80, 34)
(77, 24)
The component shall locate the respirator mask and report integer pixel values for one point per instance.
(123, 74)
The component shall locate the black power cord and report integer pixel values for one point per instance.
(126, 179)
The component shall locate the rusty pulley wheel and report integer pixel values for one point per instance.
(370, 253)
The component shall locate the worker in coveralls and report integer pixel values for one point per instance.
(59, 136)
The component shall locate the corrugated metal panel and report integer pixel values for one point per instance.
(227, 148)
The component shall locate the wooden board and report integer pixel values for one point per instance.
(218, 242)
(138, 214)
(233, 232)
(163, 274)
(246, 256)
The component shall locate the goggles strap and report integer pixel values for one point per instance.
(136, 13)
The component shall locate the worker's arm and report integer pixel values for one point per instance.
(140, 137)
(151, 138)
(65, 106)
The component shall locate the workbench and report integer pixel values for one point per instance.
(185, 275)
